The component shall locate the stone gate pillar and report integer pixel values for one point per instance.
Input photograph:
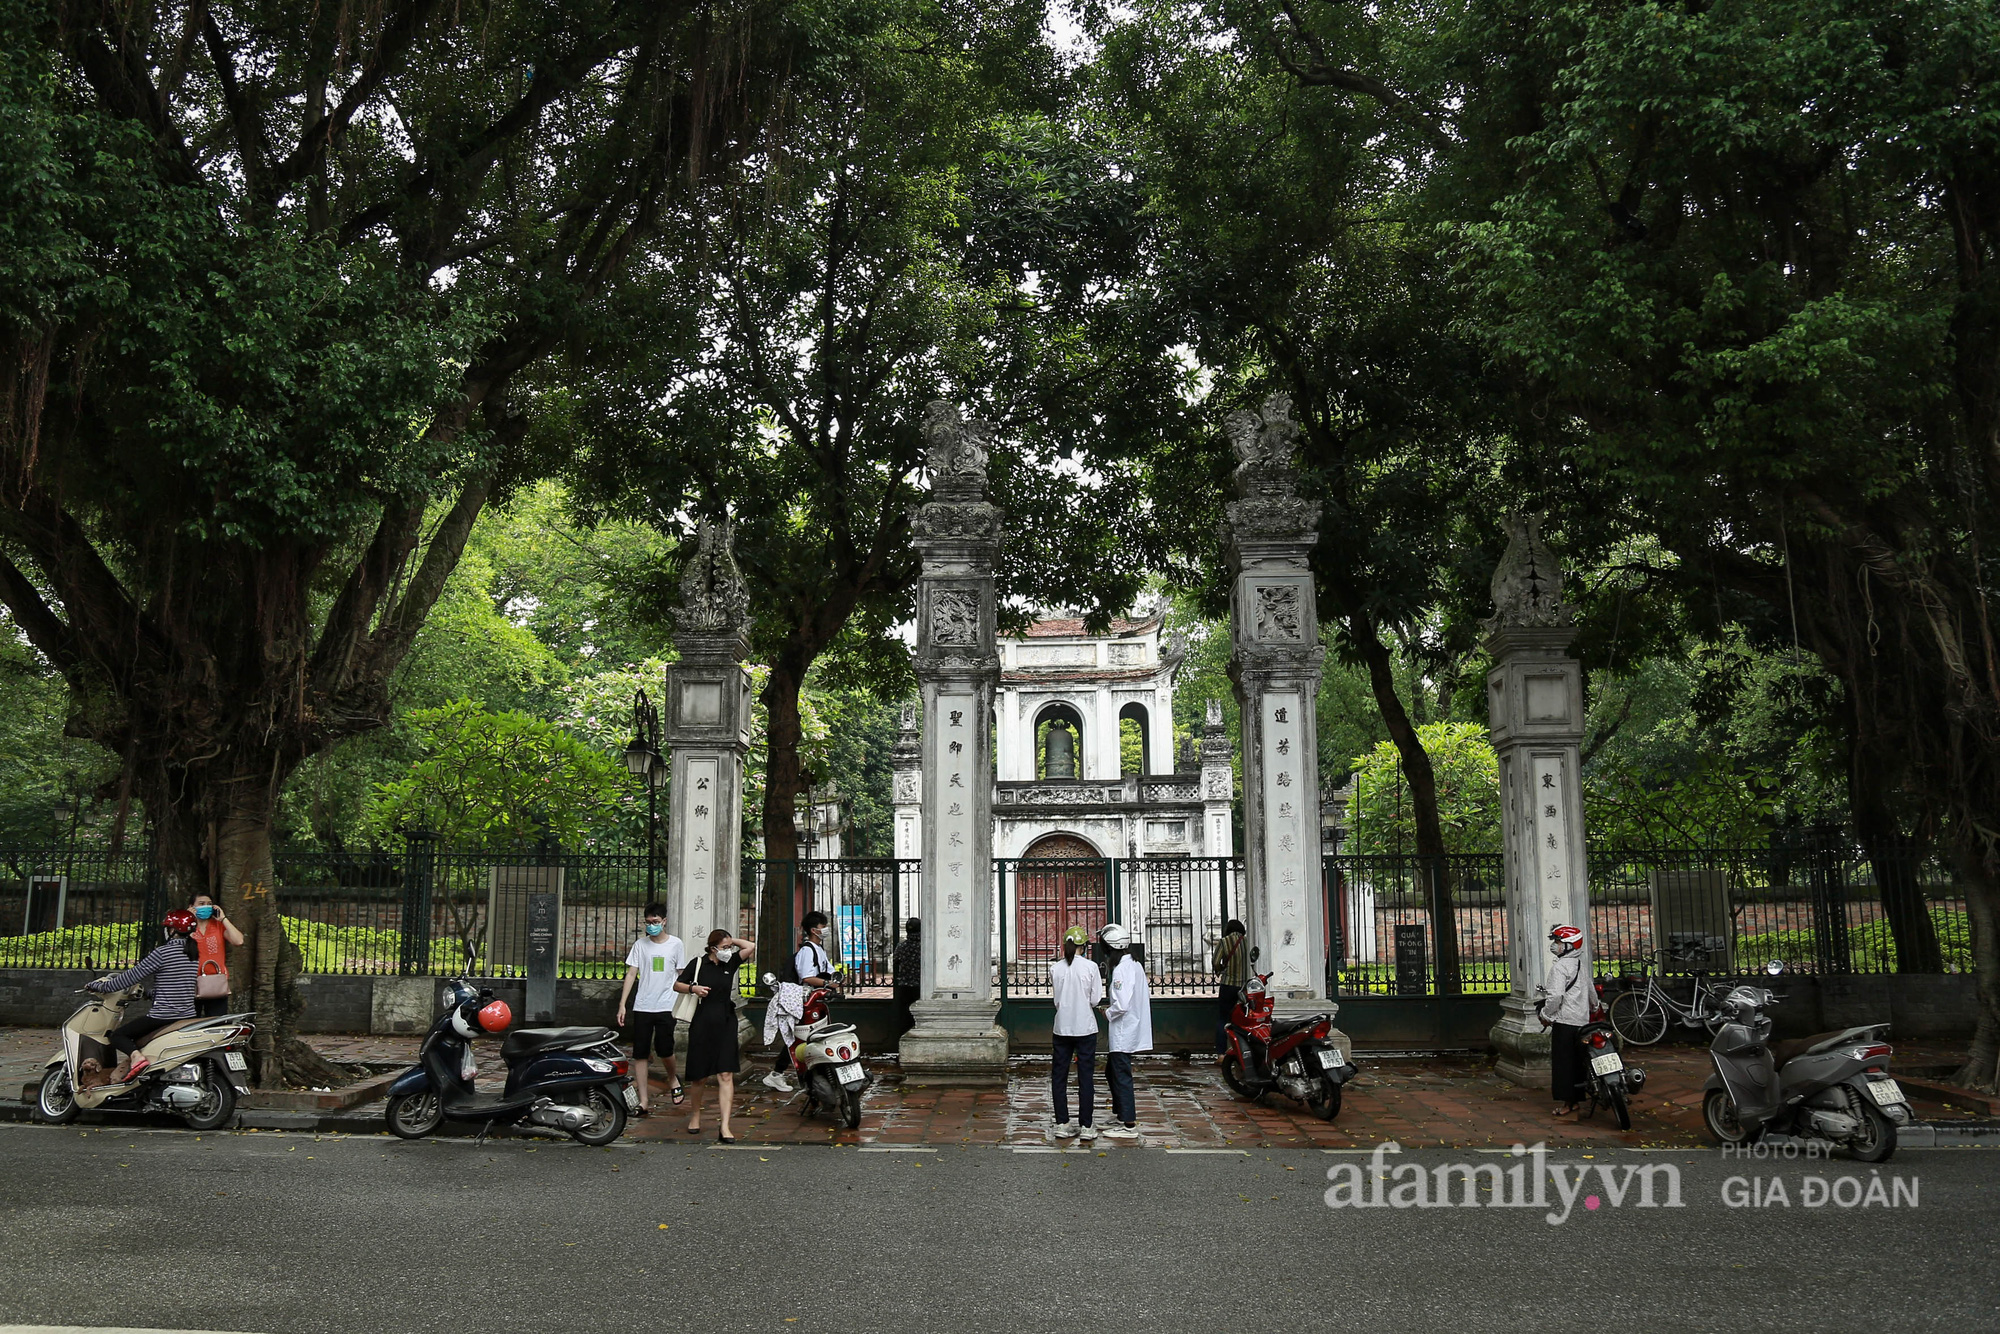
(957, 537)
(707, 733)
(1534, 698)
(1275, 663)
(906, 766)
(1218, 786)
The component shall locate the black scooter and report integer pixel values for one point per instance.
(1831, 1087)
(571, 1079)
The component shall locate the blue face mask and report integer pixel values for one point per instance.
(205, 911)
(654, 928)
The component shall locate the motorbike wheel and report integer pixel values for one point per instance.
(1638, 1018)
(218, 1101)
(414, 1115)
(1327, 1105)
(1877, 1139)
(850, 1108)
(1621, 1107)
(608, 1118)
(56, 1103)
(1719, 1114)
(1232, 1074)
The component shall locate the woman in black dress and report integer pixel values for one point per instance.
(712, 1031)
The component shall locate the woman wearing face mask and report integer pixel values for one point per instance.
(712, 1033)
(213, 931)
(653, 963)
(1564, 1008)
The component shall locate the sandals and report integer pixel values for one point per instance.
(643, 1112)
(680, 1095)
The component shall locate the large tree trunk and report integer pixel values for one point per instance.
(1982, 1064)
(783, 905)
(1432, 864)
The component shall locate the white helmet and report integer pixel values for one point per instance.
(1115, 936)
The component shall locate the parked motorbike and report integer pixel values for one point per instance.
(1832, 1087)
(1609, 1080)
(196, 1069)
(1293, 1056)
(827, 1057)
(571, 1079)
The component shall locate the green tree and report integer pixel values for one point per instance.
(270, 278)
(1381, 816)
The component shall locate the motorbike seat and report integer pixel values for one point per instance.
(523, 1042)
(1783, 1053)
(1285, 1027)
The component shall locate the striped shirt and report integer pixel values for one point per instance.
(173, 975)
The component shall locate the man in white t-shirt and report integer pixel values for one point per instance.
(1076, 986)
(651, 965)
(814, 968)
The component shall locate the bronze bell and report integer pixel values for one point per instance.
(1061, 751)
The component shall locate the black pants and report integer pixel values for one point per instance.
(131, 1035)
(211, 1007)
(1566, 1062)
(905, 997)
(1225, 1002)
(1082, 1050)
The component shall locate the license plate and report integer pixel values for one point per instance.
(234, 1060)
(1610, 1063)
(631, 1099)
(1329, 1059)
(851, 1074)
(1886, 1092)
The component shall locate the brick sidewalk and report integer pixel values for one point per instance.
(1450, 1100)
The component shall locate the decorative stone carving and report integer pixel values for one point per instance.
(955, 449)
(907, 786)
(1059, 796)
(713, 598)
(1527, 585)
(1266, 482)
(1278, 613)
(945, 519)
(954, 617)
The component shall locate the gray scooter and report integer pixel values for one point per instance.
(1831, 1087)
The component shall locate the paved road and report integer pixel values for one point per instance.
(281, 1233)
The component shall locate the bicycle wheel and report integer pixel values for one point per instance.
(1639, 1018)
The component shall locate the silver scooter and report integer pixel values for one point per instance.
(827, 1058)
(1830, 1087)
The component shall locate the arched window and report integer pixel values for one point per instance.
(1135, 743)
(1066, 751)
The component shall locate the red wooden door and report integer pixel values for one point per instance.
(1060, 883)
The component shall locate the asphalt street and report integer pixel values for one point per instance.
(277, 1233)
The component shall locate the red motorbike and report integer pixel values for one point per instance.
(1293, 1056)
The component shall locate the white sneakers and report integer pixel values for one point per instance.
(1067, 1130)
(780, 1083)
(1117, 1131)
(1089, 1133)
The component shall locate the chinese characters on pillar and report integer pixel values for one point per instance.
(1284, 836)
(954, 833)
(1551, 841)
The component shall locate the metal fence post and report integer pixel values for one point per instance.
(155, 906)
(419, 864)
(1829, 903)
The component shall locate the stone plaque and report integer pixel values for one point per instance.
(1548, 699)
(701, 702)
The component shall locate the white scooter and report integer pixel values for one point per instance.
(196, 1069)
(828, 1059)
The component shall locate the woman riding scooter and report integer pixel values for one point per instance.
(172, 971)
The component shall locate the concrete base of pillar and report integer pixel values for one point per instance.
(1523, 1044)
(958, 1040)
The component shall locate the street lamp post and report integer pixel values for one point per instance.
(643, 759)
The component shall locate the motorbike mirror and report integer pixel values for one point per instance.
(1774, 967)
(770, 979)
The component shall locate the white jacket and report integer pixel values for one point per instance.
(1075, 987)
(1131, 1008)
(1567, 991)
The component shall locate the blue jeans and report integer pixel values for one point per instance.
(1118, 1073)
(1084, 1051)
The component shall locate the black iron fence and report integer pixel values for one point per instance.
(1819, 903)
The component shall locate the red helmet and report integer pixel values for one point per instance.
(179, 922)
(1568, 936)
(494, 1016)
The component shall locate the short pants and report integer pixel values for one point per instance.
(650, 1029)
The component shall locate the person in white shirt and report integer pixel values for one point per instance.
(1131, 1016)
(814, 968)
(651, 966)
(1564, 1007)
(1076, 986)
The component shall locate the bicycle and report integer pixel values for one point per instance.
(1641, 1016)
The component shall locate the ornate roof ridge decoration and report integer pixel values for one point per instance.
(1266, 443)
(1527, 585)
(713, 597)
(956, 453)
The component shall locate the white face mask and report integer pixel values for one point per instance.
(1557, 948)
(726, 954)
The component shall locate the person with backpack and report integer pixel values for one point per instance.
(1232, 967)
(809, 967)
